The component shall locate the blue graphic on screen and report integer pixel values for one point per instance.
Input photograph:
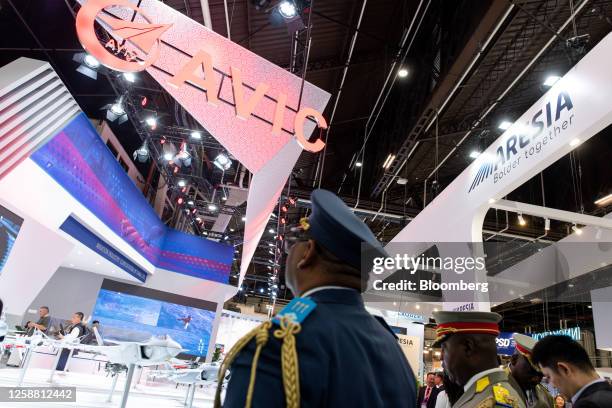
(10, 224)
(125, 317)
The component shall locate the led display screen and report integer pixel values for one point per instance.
(133, 313)
(10, 223)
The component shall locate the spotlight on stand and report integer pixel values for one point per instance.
(290, 13)
(142, 153)
(129, 77)
(116, 112)
(196, 135)
(521, 220)
(168, 152)
(287, 9)
(88, 65)
(576, 229)
(183, 157)
(223, 162)
(151, 121)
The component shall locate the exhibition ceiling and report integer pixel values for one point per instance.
(470, 66)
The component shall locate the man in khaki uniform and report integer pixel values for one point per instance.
(528, 375)
(469, 355)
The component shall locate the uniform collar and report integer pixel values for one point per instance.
(480, 375)
(334, 294)
(580, 391)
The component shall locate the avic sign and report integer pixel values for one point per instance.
(135, 46)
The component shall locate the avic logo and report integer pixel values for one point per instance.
(143, 37)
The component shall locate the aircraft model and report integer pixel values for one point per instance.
(185, 320)
(156, 350)
(204, 374)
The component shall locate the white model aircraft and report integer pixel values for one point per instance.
(156, 350)
(205, 374)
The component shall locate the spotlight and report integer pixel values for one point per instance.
(402, 73)
(190, 202)
(232, 230)
(212, 207)
(224, 198)
(261, 290)
(388, 161)
(225, 238)
(182, 183)
(546, 224)
(402, 181)
(551, 80)
(521, 220)
(271, 231)
(491, 200)
(129, 76)
(504, 125)
(89, 66)
(577, 230)
(222, 161)
(196, 135)
(474, 154)
(604, 200)
(574, 142)
(116, 112)
(151, 121)
(91, 61)
(243, 219)
(205, 233)
(142, 153)
(287, 9)
(168, 151)
(180, 200)
(358, 164)
(183, 157)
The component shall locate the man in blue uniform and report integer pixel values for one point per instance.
(324, 349)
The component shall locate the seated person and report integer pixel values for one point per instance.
(43, 321)
(72, 332)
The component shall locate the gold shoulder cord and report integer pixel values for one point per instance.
(289, 361)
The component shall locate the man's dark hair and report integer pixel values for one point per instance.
(439, 374)
(80, 314)
(45, 307)
(430, 373)
(561, 349)
(95, 321)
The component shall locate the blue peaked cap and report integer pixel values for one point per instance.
(339, 230)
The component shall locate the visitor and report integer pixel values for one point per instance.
(569, 368)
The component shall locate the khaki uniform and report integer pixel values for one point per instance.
(541, 398)
(495, 389)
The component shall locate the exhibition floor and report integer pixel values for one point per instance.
(92, 391)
